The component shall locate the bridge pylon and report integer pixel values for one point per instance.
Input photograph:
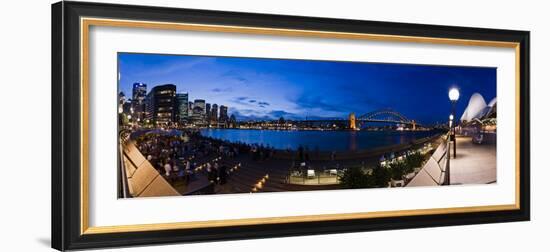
(352, 124)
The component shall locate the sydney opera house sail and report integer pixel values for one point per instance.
(478, 109)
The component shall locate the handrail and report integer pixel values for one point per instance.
(123, 189)
(447, 180)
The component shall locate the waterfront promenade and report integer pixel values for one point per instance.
(249, 172)
(474, 163)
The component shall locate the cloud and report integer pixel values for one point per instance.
(244, 101)
(235, 75)
(255, 115)
(222, 90)
(309, 102)
(276, 114)
(342, 104)
(247, 101)
(241, 79)
(247, 115)
(179, 66)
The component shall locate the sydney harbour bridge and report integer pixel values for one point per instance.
(386, 115)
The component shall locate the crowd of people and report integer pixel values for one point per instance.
(257, 152)
(180, 156)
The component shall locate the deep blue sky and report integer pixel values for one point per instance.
(270, 88)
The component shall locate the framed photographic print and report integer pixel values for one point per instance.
(179, 125)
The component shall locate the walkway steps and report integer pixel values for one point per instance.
(143, 179)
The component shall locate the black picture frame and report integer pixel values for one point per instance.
(66, 126)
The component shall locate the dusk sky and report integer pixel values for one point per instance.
(255, 88)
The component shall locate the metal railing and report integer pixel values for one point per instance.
(447, 180)
(123, 189)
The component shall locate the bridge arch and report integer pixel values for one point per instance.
(384, 115)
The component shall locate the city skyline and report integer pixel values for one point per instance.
(260, 89)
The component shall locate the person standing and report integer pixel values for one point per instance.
(167, 169)
(211, 175)
(215, 171)
(222, 174)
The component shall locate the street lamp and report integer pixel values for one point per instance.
(129, 119)
(454, 94)
(120, 115)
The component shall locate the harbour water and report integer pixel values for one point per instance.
(316, 139)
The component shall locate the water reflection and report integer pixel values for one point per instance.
(318, 140)
(353, 141)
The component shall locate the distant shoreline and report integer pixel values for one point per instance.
(343, 130)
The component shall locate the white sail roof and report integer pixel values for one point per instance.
(475, 107)
(492, 102)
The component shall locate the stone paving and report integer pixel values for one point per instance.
(474, 163)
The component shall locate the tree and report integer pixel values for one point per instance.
(413, 161)
(381, 176)
(354, 177)
(398, 169)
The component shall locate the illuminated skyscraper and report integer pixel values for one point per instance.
(223, 114)
(214, 114)
(161, 104)
(199, 111)
(207, 113)
(182, 100)
(139, 92)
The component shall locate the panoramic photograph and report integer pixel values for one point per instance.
(197, 125)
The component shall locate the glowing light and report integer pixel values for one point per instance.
(454, 94)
